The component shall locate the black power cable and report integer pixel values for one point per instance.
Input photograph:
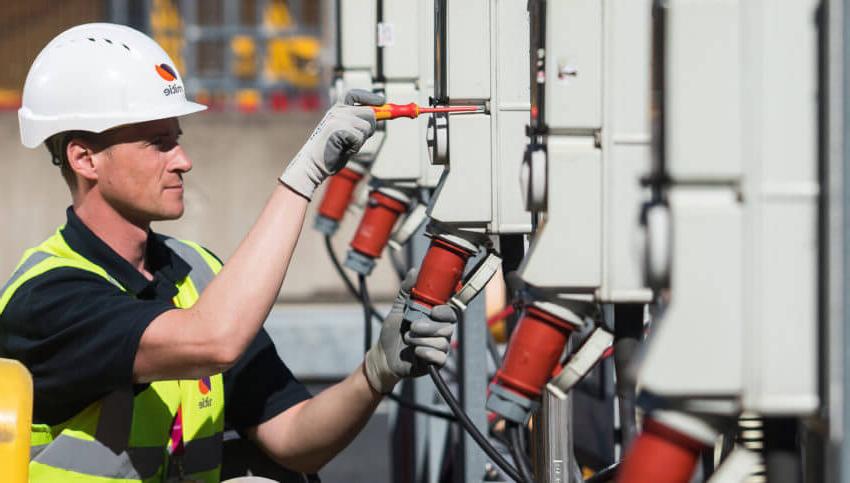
(514, 431)
(348, 283)
(367, 325)
(470, 428)
(459, 416)
(364, 299)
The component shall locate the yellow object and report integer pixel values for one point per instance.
(244, 56)
(96, 444)
(276, 15)
(10, 98)
(167, 29)
(15, 420)
(248, 99)
(294, 60)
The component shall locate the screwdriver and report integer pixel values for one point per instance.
(395, 111)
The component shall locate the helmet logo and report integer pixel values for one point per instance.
(166, 72)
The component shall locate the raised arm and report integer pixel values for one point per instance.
(211, 335)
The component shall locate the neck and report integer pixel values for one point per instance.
(127, 238)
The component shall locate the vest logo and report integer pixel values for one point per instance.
(166, 72)
(204, 385)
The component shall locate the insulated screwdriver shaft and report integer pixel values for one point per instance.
(412, 110)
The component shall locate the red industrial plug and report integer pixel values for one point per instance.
(660, 454)
(337, 197)
(533, 353)
(382, 211)
(535, 349)
(439, 275)
(440, 272)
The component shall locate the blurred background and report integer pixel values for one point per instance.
(263, 67)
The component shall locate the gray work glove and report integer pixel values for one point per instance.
(404, 349)
(339, 135)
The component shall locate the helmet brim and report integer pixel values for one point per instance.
(50, 125)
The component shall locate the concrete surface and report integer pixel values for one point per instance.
(320, 342)
(237, 159)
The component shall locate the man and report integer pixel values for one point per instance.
(127, 332)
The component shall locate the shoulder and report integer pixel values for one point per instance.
(188, 248)
(48, 294)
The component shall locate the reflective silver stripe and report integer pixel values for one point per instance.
(201, 273)
(95, 459)
(202, 454)
(35, 259)
(35, 450)
(31, 261)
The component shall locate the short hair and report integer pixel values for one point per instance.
(57, 146)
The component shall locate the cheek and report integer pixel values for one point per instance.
(125, 175)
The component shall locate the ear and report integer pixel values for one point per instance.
(81, 159)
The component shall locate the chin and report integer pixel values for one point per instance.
(168, 213)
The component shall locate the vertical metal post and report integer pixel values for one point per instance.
(423, 388)
(189, 12)
(262, 39)
(118, 12)
(553, 438)
(472, 365)
(837, 266)
(229, 28)
(842, 173)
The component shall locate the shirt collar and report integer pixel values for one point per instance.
(168, 268)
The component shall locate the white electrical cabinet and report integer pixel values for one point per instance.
(357, 35)
(482, 57)
(407, 45)
(357, 25)
(741, 149)
(565, 255)
(597, 91)
(574, 59)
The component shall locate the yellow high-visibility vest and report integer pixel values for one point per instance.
(124, 437)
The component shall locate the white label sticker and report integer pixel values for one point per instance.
(386, 34)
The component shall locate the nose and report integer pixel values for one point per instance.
(180, 161)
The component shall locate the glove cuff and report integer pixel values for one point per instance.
(299, 184)
(302, 176)
(378, 372)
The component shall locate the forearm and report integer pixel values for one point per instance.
(306, 437)
(240, 297)
(214, 332)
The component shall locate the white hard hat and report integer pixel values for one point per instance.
(97, 76)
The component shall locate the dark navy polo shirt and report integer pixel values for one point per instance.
(78, 334)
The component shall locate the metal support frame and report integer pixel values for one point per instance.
(554, 459)
(837, 268)
(194, 33)
(425, 439)
(472, 366)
